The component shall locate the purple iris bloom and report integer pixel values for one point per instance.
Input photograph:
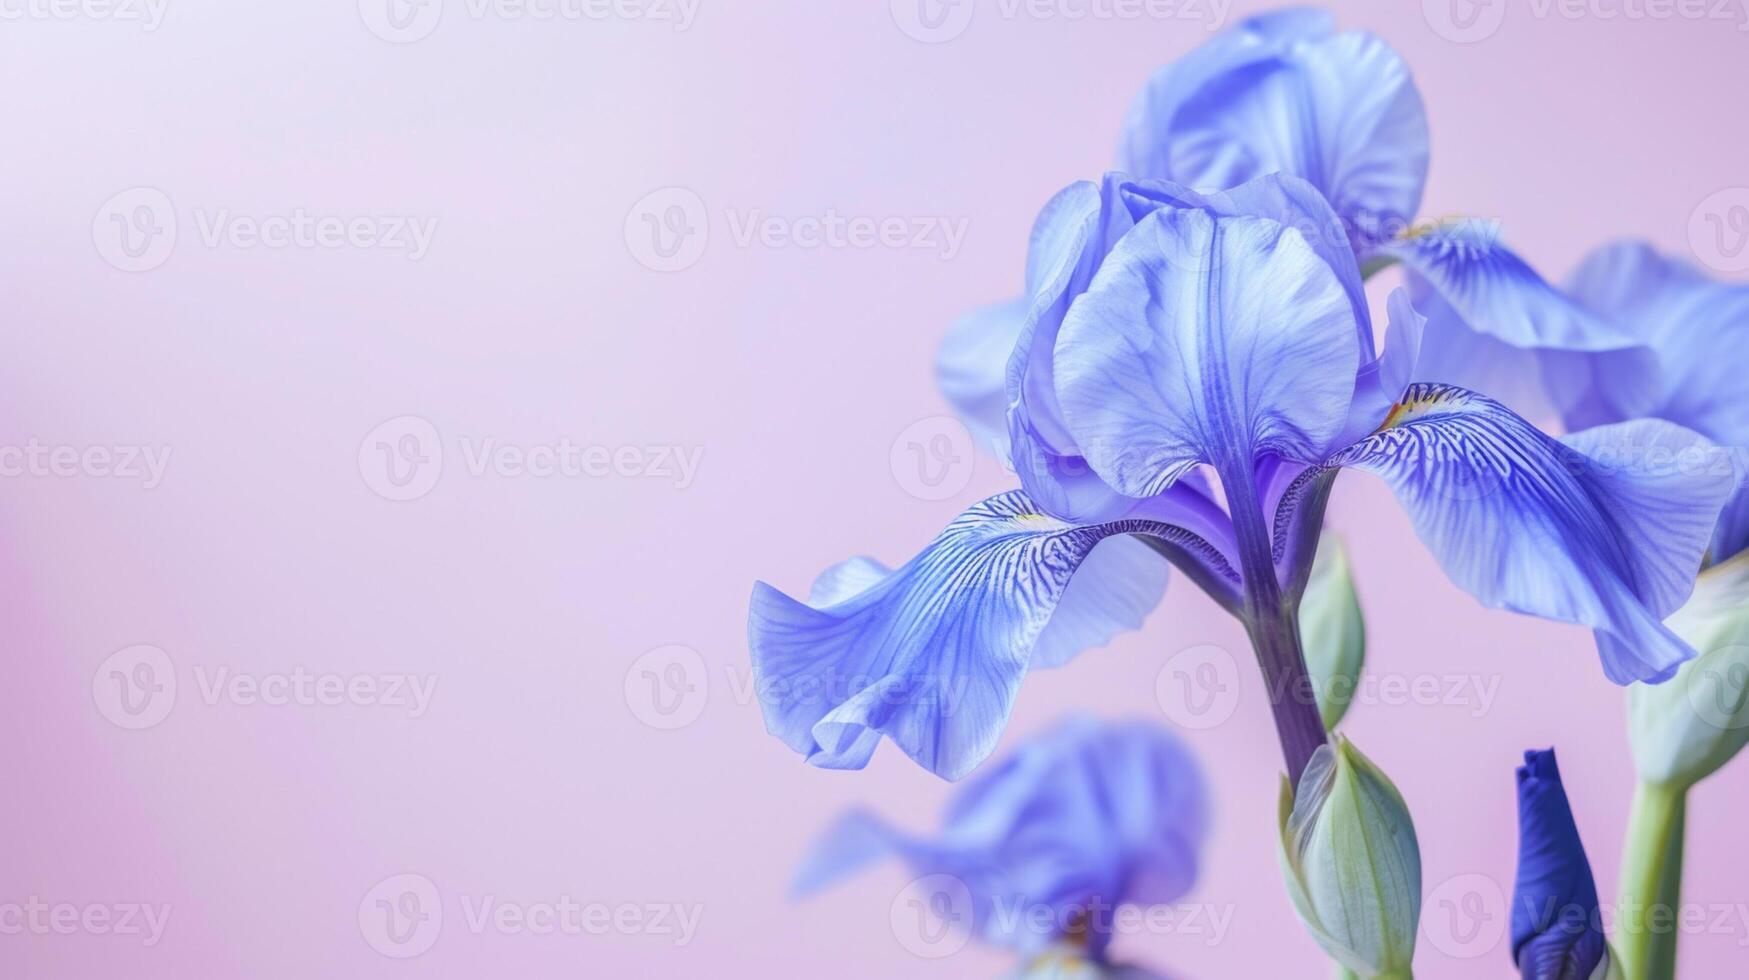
(1285, 93)
(1042, 850)
(1193, 372)
(1556, 929)
(1698, 327)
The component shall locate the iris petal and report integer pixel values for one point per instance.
(971, 370)
(1495, 325)
(1339, 111)
(1206, 341)
(1114, 590)
(931, 656)
(1072, 239)
(1605, 530)
(1693, 322)
(1690, 320)
(1088, 816)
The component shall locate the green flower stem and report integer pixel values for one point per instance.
(1651, 882)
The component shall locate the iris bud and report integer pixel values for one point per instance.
(1352, 863)
(1686, 728)
(1332, 631)
(1556, 926)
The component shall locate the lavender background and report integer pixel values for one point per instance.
(542, 767)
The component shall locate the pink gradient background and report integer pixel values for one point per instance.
(793, 370)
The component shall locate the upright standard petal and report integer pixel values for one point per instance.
(1605, 530)
(971, 370)
(1206, 340)
(1339, 111)
(1079, 821)
(931, 655)
(1556, 929)
(1495, 325)
(1072, 240)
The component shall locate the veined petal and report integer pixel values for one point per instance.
(1606, 530)
(1339, 111)
(1115, 589)
(1206, 340)
(931, 656)
(1496, 326)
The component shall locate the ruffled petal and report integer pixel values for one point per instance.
(1082, 819)
(1119, 584)
(1606, 530)
(1206, 340)
(1340, 111)
(1496, 326)
(931, 655)
(1695, 324)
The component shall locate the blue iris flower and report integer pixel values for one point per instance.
(1192, 373)
(1078, 822)
(1556, 928)
(1285, 93)
(1697, 326)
